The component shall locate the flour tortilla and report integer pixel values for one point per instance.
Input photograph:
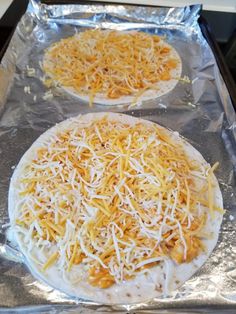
(162, 87)
(159, 280)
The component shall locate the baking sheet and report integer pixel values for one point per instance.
(200, 110)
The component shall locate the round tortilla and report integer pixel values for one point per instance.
(159, 280)
(161, 87)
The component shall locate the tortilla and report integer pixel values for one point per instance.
(160, 278)
(138, 80)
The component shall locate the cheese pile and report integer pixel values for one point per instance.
(116, 198)
(110, 63)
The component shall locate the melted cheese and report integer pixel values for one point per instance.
(110, 63)
(116, 198)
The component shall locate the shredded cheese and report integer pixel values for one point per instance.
(115, 197)
(110, 63)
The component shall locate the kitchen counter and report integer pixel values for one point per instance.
(4, 5)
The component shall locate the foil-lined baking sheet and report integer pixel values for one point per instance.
(199, 108)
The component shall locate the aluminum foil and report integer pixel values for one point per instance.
(200, 110)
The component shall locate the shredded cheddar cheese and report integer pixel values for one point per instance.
(116, 198)
(110, 63)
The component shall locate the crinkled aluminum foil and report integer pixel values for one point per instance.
(201, 111)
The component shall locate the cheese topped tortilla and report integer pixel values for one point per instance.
(114, 209)
(112, 67)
